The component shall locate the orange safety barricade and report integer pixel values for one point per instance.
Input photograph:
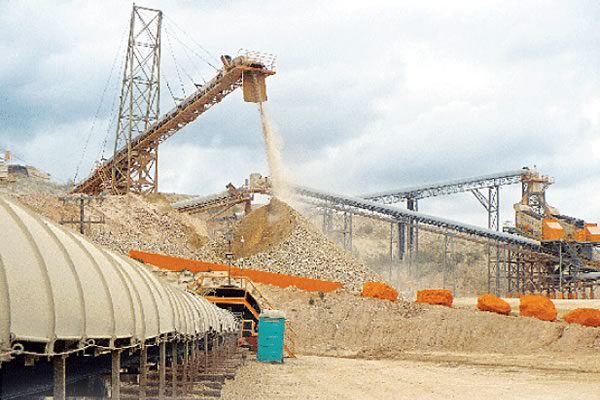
(435, 296)
(583, 316)
(537, 306)
(379, 290)
(493, 303)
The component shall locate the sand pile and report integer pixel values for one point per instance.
(279, 239)
(342, 324)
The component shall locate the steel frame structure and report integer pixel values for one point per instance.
(226, 80)
(445, 188)
(475, 185)
(139, 104)
(361, 206)
(516, 264)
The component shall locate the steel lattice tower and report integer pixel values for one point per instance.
(139, 103)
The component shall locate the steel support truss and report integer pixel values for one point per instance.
(491, 203)
(515, 264)
(340, 229)
(139, 104)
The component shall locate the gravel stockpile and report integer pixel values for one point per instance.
(279, 239)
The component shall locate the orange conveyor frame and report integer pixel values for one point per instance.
(172, 263)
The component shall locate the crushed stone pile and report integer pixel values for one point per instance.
(131, 222)
(278, 239)
(345, 325)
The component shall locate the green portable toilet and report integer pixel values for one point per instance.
(271, 332)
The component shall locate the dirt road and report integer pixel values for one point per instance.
(311, 377)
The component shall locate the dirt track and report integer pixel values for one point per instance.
(313, 377)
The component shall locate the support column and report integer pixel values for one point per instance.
(401, 241)
(143, 372)
(491, 203)
(445, 275)
(174, 370)
(60, 377)
(186, 361)
(206, 352)
(391, 242)
(348, 231)
(162, 369)
(327, 220)
(115, 381)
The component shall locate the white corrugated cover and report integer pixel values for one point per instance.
(56, 285)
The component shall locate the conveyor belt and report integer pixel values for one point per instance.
(448, 187)
(348, 203)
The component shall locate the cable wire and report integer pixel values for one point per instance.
(196, 43)
(106, 85)
(176, 63)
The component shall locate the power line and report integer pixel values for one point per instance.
(176, 64)
(113, 107)
(106, 85)
(194, 42)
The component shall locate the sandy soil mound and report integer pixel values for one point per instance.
(279, 239)
(263, 228)
(342, 324)
(131, 222)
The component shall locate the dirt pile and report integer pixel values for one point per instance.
(131, 222)
(279, 239)
(342, 324)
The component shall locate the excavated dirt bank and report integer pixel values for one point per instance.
(343, 324)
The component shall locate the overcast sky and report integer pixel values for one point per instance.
(368, 96)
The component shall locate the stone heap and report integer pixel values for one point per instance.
(300, 249)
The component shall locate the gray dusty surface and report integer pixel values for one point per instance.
(312, 377)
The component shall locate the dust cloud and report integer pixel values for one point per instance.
(273, 145)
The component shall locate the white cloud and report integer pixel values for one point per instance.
(368, 96)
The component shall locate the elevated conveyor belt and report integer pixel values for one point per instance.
(205, 203)
(448, 187)
(118, 173)
(351, 204)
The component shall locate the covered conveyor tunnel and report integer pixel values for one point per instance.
(70, 309)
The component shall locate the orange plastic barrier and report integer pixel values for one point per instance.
(379, 290)
(493, 303)
(435, 296)
(281, 280)
(540, 307)
(583, 316)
